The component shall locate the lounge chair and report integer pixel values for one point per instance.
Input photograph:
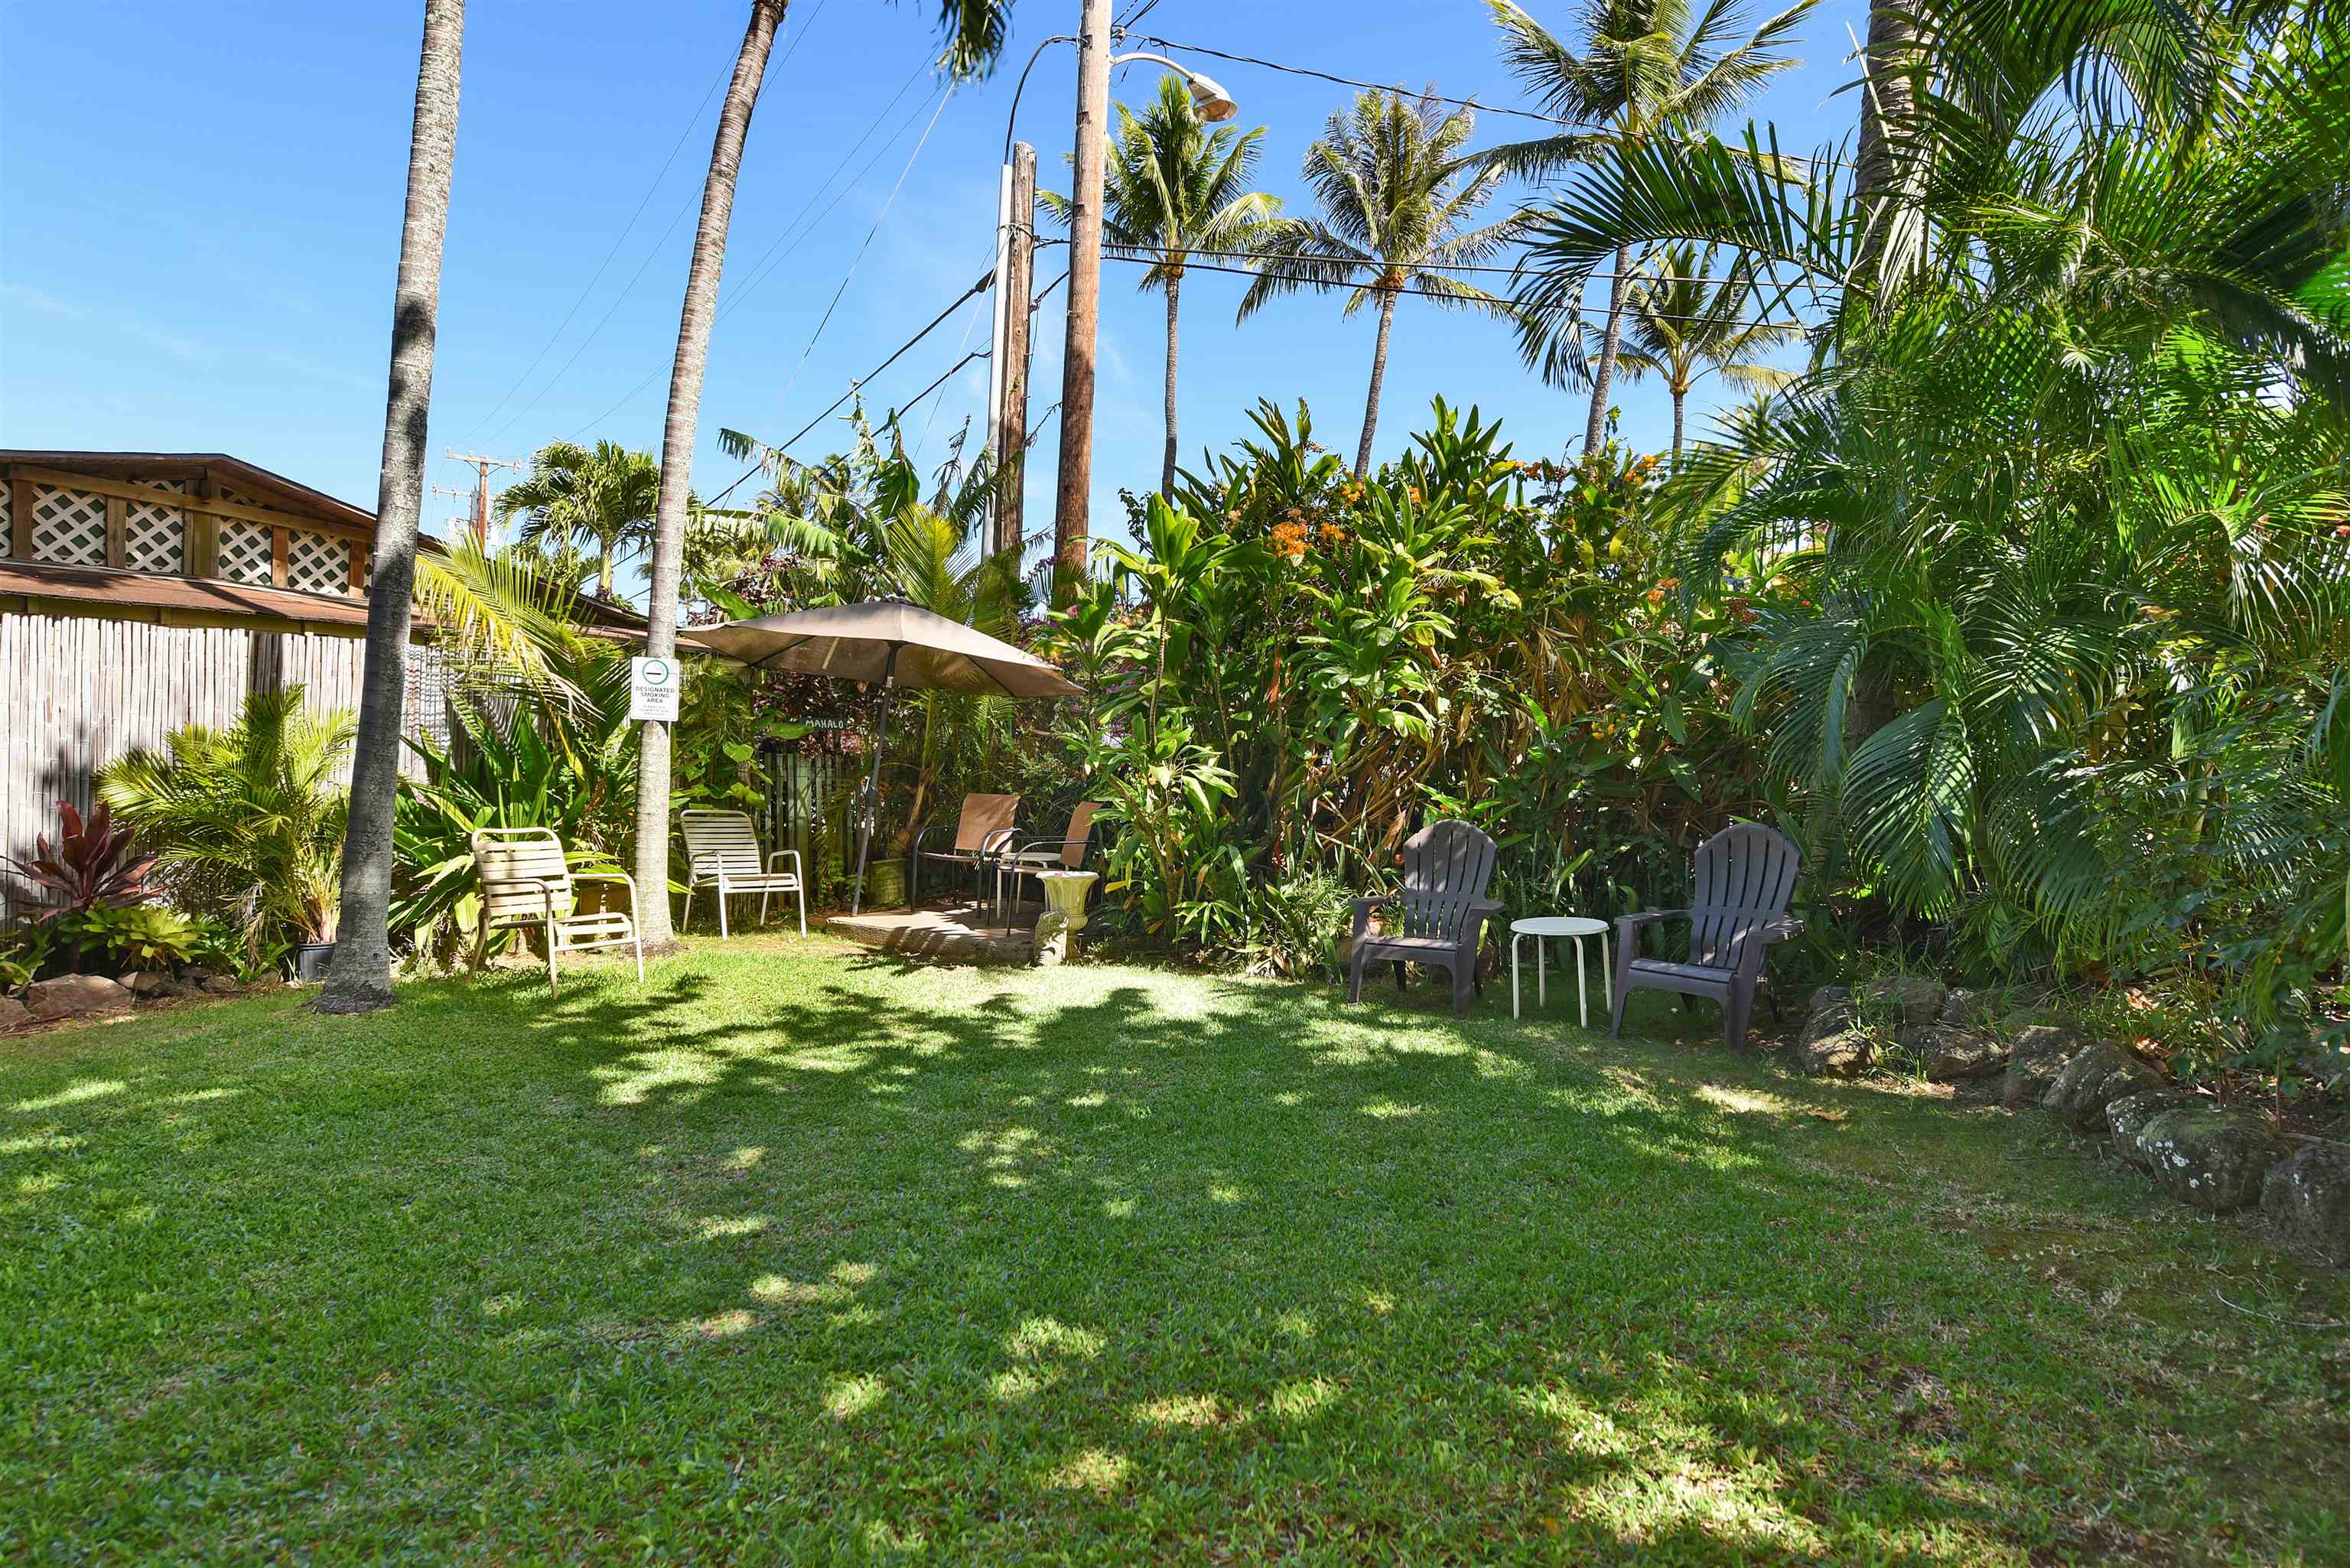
(527, 881)
(1446, 867)
(1743, 880)
(983, 828)
(1028, 856)
(721, 851)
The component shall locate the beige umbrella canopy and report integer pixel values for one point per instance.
(895, 644)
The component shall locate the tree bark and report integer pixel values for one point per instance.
(1888, 105)
(604, 573)
(359, 978)
(1167, 466)
(1680, 408)
(1084, 324)
(1379, 378)
(679, 433)
(1595, 431)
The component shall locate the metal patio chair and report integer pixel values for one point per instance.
(526, 880)
(983, 828)
(721, 851)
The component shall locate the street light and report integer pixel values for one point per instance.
(1214, 105)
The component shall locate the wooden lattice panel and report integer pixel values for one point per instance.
(155, 535)
(69, 526)
(244, 551)
(318, 564)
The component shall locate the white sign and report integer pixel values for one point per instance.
(653, 685)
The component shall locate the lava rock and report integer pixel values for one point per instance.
(1835, 1043)
(1914, 1000)
(149, 983)
(77, 996)
(2128, 1116)
(1828, 996)
(2216, 1160)
(14, 1013)
(1969, 1009)
(2307, 1197)
(2095, 1078)
(2036, 1058)
(221, 985)
(1949, 1054)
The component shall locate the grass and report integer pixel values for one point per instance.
(798, 1257)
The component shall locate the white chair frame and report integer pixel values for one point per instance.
(721, 851)
(526, 880)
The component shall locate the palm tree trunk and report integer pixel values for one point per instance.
(604, 572)
(1889, 103)
(360, 978)
(1378, 378)
(1680, 408)
(678, 436)
(1595, 431)
(1167, 465)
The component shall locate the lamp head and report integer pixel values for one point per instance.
(1209, 98)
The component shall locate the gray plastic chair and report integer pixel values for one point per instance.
(1446, 866)
(1744, 879)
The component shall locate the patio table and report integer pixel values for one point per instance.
(1544, 928)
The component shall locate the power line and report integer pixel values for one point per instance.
(981, 287)
(1447, 298)
(630, 287)
(1353, 82)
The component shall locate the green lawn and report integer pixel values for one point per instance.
(796, 1256)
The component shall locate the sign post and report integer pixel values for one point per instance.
(653, 690)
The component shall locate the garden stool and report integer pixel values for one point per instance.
(1542, 928)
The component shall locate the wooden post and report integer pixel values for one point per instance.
(202, 544)
(117, 531)
(20, 517)
(1075, 477)
(281, 546)
(1010, 437)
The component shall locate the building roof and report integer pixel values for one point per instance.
(152, 590)
(158, 464)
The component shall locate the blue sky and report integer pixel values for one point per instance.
(200, 209)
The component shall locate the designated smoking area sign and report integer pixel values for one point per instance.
(653, 686)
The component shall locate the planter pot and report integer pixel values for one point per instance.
(885, 885)
(310, 960)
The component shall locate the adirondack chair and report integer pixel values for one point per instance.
(1446, 866)
(526, 881)
(721, 851)
(1738, 907)
(1028, 856)
(982, 830)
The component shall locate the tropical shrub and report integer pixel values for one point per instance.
(90, 869)
(245, 823)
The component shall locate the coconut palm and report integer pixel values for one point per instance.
(1646, 72)
(585, 507)
(1395, 194)
(975, 31)
(1174, 187)
(1684, 327)
(360, 977)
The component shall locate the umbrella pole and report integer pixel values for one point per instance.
(873, 785)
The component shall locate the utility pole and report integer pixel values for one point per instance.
(482, 466)
(1084, 301)
(1015, 272)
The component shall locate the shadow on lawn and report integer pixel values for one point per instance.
(1100, 1164)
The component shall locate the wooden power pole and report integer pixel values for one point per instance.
(482, 465)
(1075, 478)
(1015, 276)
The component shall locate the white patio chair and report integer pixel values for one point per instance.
(527, 881)
(721, 851)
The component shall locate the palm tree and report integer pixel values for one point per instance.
(1395, 191)
(1174, 187)
(1649, 71)
(576, 503)
(1684, 327)
(975, 31)
(360, 978)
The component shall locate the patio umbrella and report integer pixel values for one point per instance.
(896, 644)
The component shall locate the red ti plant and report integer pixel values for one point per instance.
(92, 866)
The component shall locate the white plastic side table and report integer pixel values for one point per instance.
(1542, 929)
